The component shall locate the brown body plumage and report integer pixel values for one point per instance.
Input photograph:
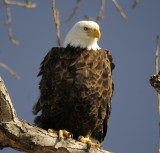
(75, 91)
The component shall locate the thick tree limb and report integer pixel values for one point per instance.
(20, 135)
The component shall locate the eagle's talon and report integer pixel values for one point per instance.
(88, 142)
(52, 131)
(67, 134)
(70, 135)
(61, 134)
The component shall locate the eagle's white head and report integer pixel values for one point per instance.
(84, 34)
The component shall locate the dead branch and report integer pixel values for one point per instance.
(7, 3)
(7, 111)
(155, 82)
(120, 10)
(9, 22)
(157, 70)
(57, 22)
(22, 136)
(155, 79)
(101, 13)
(28, 4)
(74, 11)
(135, 3)
(4, 66)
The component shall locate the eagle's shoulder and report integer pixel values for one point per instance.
(108, 52)
(50, 58)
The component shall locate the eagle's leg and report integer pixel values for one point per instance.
(61, 133)
(88, 141)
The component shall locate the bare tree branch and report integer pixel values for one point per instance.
(57, 22)
(7, 3)
(101, 13)
(120, 10)
(8, 22)
(155, 82)
(22, 136)
(157, 70)
(28, 4)
(7, 111)
(74, 11)
(135, 3)
(9, 70)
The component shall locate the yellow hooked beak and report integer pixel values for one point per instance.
(95, 33)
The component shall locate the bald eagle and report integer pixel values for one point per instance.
(76, 85)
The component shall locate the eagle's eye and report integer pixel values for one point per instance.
(86, 28)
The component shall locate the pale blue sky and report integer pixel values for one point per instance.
(133, 126)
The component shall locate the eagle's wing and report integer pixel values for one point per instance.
(55, 81)
(45, 85)
(109, 96)
(108, 87)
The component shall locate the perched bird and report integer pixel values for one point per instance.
(76, 86)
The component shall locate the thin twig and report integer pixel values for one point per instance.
(123, 15)
(57, 22)
(101, 15)
(135, 3)
(9, 70)
(8, 22)
(74, 11)
(157, 70)
(28, 4)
